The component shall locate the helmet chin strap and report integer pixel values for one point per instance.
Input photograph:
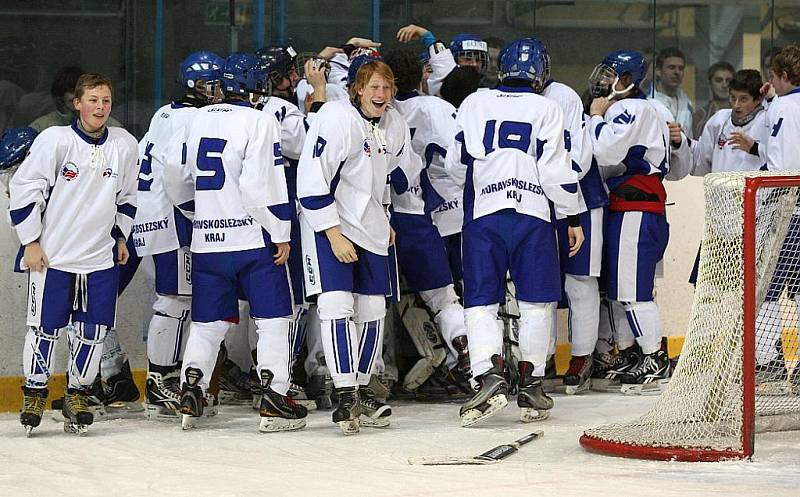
(614, 93)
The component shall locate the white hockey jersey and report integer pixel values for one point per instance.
(712, 152)
(631, 140)
(509, 153)
(343, 172)
(294, 126)
(72, 191)
(783, 145)
(234, 174)
(432, 126)
(154, 229)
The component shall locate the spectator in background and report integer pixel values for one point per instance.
(62, 91)
(720, 75)
(766, 60)
(670, 67)
(494, 45)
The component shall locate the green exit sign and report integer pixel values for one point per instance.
(218, 13)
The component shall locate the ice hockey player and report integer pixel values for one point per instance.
(73, 279)
(240, 241)
(350, 150)
(509, 154)
(163, 232)
(630, 143)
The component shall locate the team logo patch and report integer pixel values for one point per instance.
(367, 149)
(69, 171)
(721, 141)
(107, 172)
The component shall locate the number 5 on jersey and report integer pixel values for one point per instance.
(209, 159)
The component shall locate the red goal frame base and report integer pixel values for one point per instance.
(618, 449)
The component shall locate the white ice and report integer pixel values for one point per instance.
(227, 456)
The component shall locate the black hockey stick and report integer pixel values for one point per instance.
(491, 456)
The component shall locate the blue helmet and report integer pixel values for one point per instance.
(244, 74)
(627, 62)
(471, 49)
(525, 59)
(355, 65)
(14, 146)
(278, 59)
(206, 66)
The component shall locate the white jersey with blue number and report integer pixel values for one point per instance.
(783, 145)
(71, 192)
(343, 172)
(509, 153)
(713, 153)
(233, 160)
(154, 227)
(631, 139)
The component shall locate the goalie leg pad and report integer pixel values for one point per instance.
(167, 330)
(83, 362)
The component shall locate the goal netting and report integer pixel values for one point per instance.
(736, 372)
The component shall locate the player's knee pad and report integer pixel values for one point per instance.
(172, 306)
(335, 305)
(40, 333)
(439, 299)
(369, 308)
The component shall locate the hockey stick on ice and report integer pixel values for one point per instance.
(489, 457)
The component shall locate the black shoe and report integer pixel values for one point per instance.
(490, 397)
(348, 411)
(650, 373)
(121, 387)
(278, 412)
(374, 413)
(533, 402)
(33, 403)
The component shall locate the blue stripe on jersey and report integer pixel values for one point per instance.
(399, 180)
(127, 209)
(316, 202)
(430, 197)
(281, 211)
(570, 187)
(598, 128)
(21, 214)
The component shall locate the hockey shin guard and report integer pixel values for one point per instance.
(86, 345)
(167, 330)
(584, 313)
(535, 324)
(339, 336)
(645, 323)
(275, 350)
(485, 334)
(202, 349)
(37, 356)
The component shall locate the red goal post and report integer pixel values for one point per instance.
(720, 394)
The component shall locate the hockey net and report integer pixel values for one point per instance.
(736, 372)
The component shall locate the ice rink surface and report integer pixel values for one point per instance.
(227, 456)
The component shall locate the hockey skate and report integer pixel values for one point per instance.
(278, 412)
(534, 404)
(551, 380)
(651, 375)
(162, 395)
(121, 396)
(33, 402)
(320, 388)
(348, 411)
(234, 387)
(579, 375)
(608, 368)
(300, 396)
(76, 412)
(374, 413)
(96, 401)
(192, 399)
(489, 398)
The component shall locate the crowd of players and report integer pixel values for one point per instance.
(284, 199)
